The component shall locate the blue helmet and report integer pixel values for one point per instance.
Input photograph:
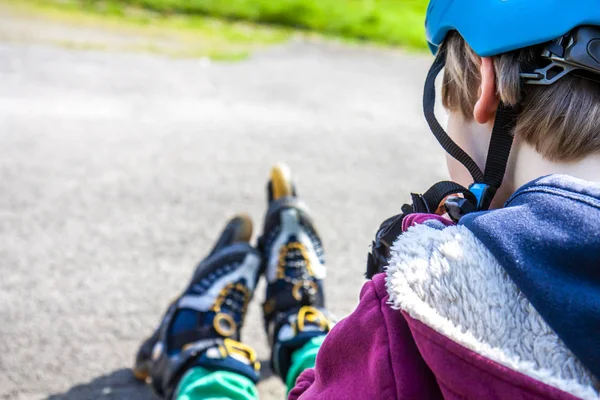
(493, 27)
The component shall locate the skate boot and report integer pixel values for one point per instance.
(202, 326)
(294, 265)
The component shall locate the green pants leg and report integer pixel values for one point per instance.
(199, 383)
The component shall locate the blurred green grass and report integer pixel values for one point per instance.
(223, 29)
(392, 22)
(179, 36)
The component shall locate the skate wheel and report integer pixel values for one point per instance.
(141, 374)
(243, 230)
(281, 181)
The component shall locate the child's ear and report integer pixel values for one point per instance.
(487, 105)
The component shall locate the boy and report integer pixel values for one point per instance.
(504, 304)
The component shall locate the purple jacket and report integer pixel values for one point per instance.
(444, 322)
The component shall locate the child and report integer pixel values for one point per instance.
(503, 304)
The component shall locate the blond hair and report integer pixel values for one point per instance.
(561, 121)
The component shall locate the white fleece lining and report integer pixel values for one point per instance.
(449, 280)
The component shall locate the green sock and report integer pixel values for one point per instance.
(200, 383)
(302, 359)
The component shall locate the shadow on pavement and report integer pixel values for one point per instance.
(265, 370)
(119, 384)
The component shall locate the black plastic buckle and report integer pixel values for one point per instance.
(457, 207)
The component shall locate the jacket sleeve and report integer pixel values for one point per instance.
(369, 355)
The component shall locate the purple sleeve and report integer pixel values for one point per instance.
(369, 355)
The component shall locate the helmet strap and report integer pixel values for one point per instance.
(485, 183)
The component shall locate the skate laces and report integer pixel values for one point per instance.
(295, 260)
(217, 299)
(231, 305)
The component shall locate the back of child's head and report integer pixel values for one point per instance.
(561, 121)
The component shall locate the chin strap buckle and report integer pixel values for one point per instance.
(457, 207)
(484, 194)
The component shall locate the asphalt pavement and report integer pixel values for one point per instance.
(117, 171)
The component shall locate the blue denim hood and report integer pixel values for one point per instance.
(547, 238)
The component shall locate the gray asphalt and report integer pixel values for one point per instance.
(117, 171)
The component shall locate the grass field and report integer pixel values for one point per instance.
(394, 22)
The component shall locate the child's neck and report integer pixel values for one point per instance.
(529, 165)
